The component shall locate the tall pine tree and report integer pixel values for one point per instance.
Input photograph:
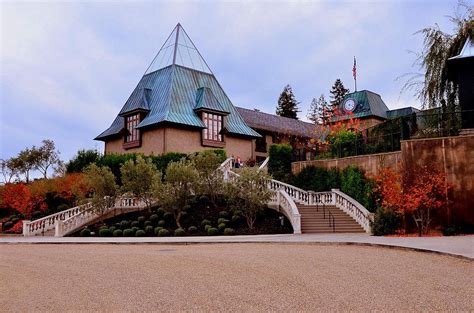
(287, 104)
(338, 91)
(319, 111)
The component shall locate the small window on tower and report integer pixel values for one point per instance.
(132, 137)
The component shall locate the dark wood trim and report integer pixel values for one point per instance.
(131, 144)
(213, 143)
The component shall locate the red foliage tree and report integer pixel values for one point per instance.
(18, 198)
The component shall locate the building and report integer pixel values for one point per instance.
(179, 106)
(369, 108)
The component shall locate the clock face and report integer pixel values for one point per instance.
(349, 105)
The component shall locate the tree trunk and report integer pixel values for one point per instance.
(177, 218)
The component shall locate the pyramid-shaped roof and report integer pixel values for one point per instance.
(175, 92)
(368, 103)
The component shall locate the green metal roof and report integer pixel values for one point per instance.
(368, 104)
(173, 93)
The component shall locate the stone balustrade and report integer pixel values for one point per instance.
(353, 208)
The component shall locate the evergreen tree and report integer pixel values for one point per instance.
(319, 111)
(338, 91)
(287, 104)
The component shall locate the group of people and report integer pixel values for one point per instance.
(237, 162)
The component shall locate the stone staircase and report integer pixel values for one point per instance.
(326, 219)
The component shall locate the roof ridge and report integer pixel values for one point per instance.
(275, 115)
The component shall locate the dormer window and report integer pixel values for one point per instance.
(214, 123)
(132, 136)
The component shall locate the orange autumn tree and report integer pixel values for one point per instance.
(17, 197)
(418, 192)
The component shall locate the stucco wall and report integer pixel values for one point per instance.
(455, 156)
(162, 140)
(369, 163)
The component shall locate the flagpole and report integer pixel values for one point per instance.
(354, 74)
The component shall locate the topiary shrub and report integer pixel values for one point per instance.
(118, 233)
(160, 212)
(118, 226)
(141, 219)
(168, 217)
(36, 214)
(124, 224)
(149, 229)
(154, 218)
(221, 226)
(179, 232)
(222, 220)
(8, 225)
(128, 232)
(163, 233)
(161, 223)
(157, 230)
(229, 232)
(223, 214)
(147, 223)
(236, 219)
(140, 233)
(206, 227)
(212, 231)
(192, 229)
(135, 224)
(386, 222)
(205, 222)
(86, 232)
(105, 232)
(112, 229)
(279, 165)
(103, 227)
(15, 220)
(135, 229)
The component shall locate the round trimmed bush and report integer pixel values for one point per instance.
(222, 220)
(223, 214)
(163, 232)
(221, 226)
(103, 227)
(149, 229)
(7, 225)
(128, 232)
(154, 218)
(124, 224)
(135, 224)
(118, 226)
(105, 232)
(160, 212)
(118, 233)
(205, 222)
(204, 199)
(135, 229)
(206, 227)
(147, 223)
(229, 232)
(236, 219)
(112, 229)
(140, 233)
(13, 216)
(161, 223)
(179, 232)
(157, 230)
(141, 219)
(15, 220)
(168, 217)
(192, 229)
(213, 231)
(86, 232)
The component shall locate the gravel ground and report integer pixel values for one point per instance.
(230, 277)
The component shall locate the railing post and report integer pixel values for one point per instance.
(59, 229)
(26, 230)
(333, 198)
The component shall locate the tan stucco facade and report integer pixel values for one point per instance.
(172, 139)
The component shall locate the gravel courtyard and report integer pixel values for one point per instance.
(230, 277)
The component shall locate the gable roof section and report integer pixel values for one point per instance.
(278, 124)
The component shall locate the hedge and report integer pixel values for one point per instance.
(279, 165)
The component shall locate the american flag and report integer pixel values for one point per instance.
(354, 70)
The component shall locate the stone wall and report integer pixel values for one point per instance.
(453, 155)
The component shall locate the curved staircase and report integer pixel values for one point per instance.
(327, 219)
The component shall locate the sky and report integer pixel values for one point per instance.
(67, 68)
